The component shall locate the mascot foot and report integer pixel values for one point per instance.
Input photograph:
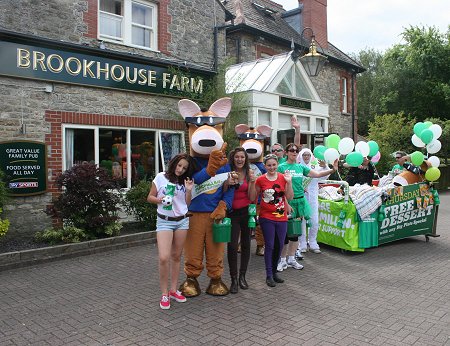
(190, 288)
(217, 288)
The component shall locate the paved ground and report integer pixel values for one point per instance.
(397, 294)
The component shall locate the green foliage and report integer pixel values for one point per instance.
(3, 190)
(392, 132)
(88, 200)
(4, 225)
(68, 234)
(412, 78)
(135, 202)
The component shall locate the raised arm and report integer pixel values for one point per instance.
(319, 174)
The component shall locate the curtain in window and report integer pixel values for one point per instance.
(70, 134)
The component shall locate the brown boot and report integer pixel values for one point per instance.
(190, 288)
(217, 288)
(259, 250)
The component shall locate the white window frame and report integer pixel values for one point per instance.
(128, 130)
(344, 95)
(127, 25)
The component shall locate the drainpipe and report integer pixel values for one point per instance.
(216, 43)
(353, 106)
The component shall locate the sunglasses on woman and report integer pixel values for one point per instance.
(293, 150)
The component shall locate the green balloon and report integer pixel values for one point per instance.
(428, 124)
(374, 148)
(333, 141)
(426, 136)
(417, 158)
(354, 159)
(418, 128)
(432, 174)
(319, 151)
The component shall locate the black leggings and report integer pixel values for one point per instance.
(239, 226)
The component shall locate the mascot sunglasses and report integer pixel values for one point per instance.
(200, 121)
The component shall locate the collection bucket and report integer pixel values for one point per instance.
(294, 227)
(222, 231)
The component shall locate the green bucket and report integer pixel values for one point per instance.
(222, 231)
(294, 227)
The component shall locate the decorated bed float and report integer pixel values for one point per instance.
(363, 217)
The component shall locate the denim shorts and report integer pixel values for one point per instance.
(164, 225)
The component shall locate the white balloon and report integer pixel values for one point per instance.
(437, 131)
(346, 145)
(434, 160)
(417, 141)
(363, 148)
(434, 146)
(331, 155)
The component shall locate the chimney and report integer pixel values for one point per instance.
(315, 17)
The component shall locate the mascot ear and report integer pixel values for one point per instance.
(188, 108)
(241, 128)
(264, 130)
(221, 107)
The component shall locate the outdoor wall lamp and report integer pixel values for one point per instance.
(312, 61)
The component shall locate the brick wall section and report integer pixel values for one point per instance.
(164, 20)
(90, 18)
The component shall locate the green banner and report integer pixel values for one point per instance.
(25, 166)
(59, 63)
(409, 212)
(338, 225)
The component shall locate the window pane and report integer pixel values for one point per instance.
(142, 15)
(110, 25)
(79, 146)
(171, 145)
(141, 37)
(142, 156)
(111, 6)
(113, 153)
(301, 90)
(285, 87)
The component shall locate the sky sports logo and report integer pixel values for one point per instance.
(23, 185)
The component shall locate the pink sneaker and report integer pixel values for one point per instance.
(177, 296)
(164, 303)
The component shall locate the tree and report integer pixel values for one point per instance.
(412, 78)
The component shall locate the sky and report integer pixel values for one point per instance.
(354, 25)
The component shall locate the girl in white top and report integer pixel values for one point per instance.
(172, 222)
(311, 186)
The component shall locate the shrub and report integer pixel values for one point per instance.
(136, 203)
(64, 235)
(4, 223)
(87, 201)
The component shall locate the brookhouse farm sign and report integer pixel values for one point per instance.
(73, 67)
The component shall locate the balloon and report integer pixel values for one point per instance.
(331, 155)
(363, 148)
(346, 145)
(333, 141)
(354, 159)
(418, 128)
(417, 158)
(319, 151)
(432, 174)
(373, 146)
(417, 141)
(428, 124)
(434, 146)
(426, 136)
(434, 160)
(436, 129)
(376, 158)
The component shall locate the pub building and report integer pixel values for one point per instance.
(99, 81)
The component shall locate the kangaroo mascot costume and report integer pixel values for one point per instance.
(209, 201)
(252, 140)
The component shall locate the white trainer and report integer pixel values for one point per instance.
(282, 265)
(315, 250)
(294, 264)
